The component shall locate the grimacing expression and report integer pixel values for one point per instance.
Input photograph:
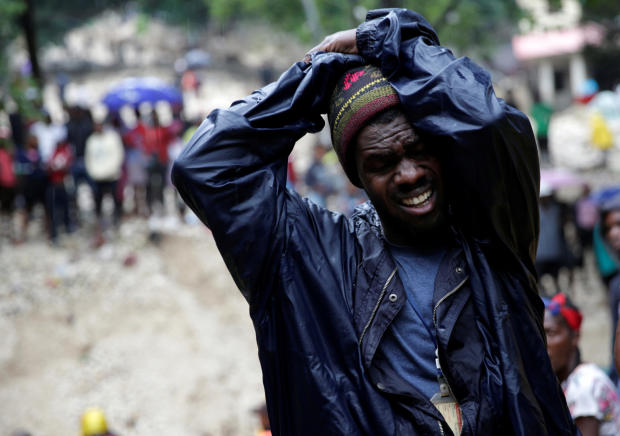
(402, 177)
(561, 342)
(612, 229)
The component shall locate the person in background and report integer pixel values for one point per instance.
(157, 141)
(135, 163)
(49, 134)
(79, 127)
(586, 216)
(93, 423)
(617, 349)
(56, 197)
(610, 232)
(553, 252)
(350, 198)
(591, 396)
(607, 263)
(190, 81)
(542, 112)
(32, 182)
(317, 179)
(104, 161)
(8, 187)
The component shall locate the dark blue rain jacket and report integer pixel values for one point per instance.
(323, 289)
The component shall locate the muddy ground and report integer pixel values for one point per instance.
(164, 345)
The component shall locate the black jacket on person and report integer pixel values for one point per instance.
(323, 288)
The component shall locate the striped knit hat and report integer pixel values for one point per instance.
(359, 95)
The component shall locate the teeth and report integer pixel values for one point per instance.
(419, 200)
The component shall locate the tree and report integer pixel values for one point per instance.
(477, 24)
(10, 11)
(604, 59)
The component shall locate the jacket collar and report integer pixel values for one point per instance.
(380, 293)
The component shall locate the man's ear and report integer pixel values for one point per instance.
(575, 338)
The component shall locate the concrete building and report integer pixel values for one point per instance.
(551, 46)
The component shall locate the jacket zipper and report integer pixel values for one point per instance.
(376, 308)
(441, 300)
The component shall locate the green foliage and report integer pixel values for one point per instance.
(460, 23)
(600, 10)
(53, 18)
(188, 13)
(475, 25)
(604, 60)
(10, 11)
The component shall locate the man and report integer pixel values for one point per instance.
(591, 396)
(350, 314)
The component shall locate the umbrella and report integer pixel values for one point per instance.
(560, 178)
(137, 90)
(602, 195)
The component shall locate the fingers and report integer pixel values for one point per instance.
(322, 46)
(341, 42)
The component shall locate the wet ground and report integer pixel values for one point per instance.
(150, 328)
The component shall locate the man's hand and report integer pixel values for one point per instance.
(340, 42)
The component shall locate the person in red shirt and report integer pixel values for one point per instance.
(157, 141)
(8, 185)
(135, 163)
(56, 195)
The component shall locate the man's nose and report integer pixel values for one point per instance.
(408, 172)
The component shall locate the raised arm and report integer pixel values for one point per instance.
(232, 173)
(489, 152)
(490, 156)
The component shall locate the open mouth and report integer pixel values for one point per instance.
(419, 200)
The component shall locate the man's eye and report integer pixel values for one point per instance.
(378, 163)
(418, 150)
(374, 166)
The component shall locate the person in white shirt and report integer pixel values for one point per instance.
(103, 158)
(48, 134)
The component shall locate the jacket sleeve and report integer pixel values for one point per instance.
(232, 173)
(489, 155)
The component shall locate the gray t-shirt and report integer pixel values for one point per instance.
(407, 345)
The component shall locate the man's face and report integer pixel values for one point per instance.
(561, 342)
(402, 178)
(612, 229)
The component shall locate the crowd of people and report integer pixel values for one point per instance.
(43, 164)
